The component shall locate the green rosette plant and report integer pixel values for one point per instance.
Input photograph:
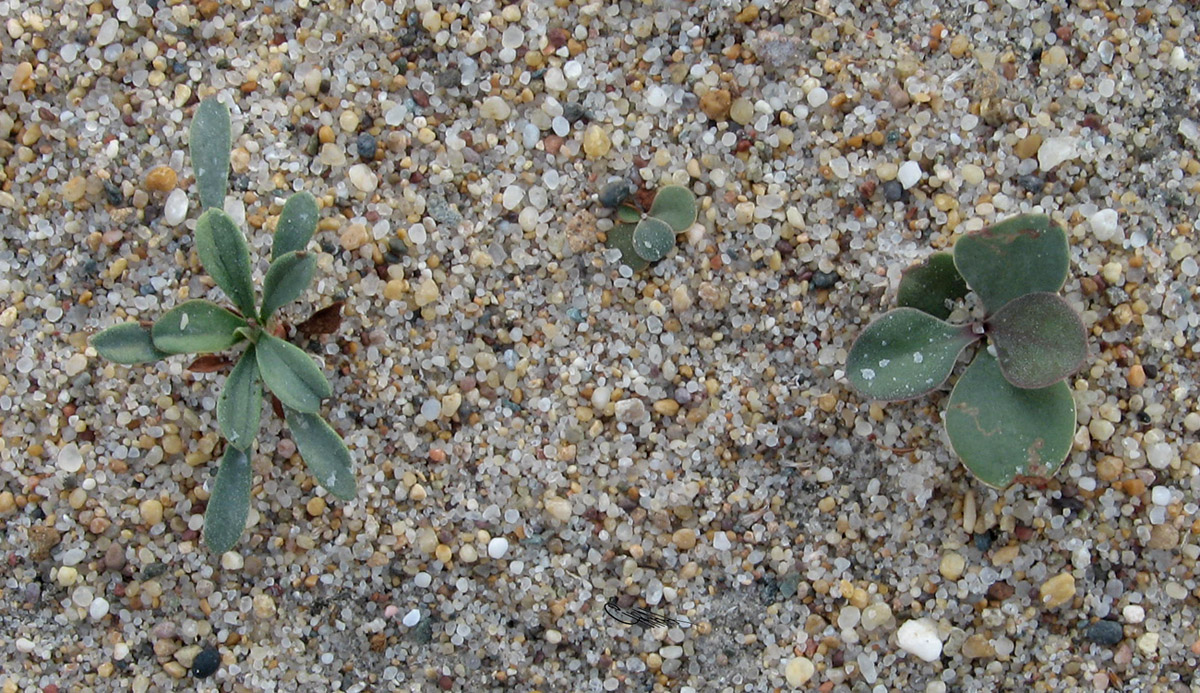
(646, 237)
(292, 377)
(1011, 412)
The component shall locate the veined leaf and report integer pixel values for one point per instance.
(297, 224)
(196, 327)
(287, 277)
(1039, 340)
(210, 140)
(127, 343)
(1018, 256)
(653, 239)
(931, 285)
(239, 408)
(225, 255)
(1001, 431)
(291, 374)
(324, 452)
(229, 503)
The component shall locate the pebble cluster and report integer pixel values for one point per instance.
(537, 429)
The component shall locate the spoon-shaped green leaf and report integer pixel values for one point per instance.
(239, 408)
(931, 285)
(653, 239)
(127, 343)
(621, 238)
(904, 354)
(1018, 256)
(1001, 431)
(229, 504)
(291, 374)
(297, 224)
(210, 140)
(225, 255)
(676, 205)
(197, 327)
(286, 279)
(323, 451)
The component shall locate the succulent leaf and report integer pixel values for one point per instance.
(904, 354)
(197, 327)
(210, 140)
(931, 285)
(653, 238)
(297, 224)
(229, 504)
(1039, 339)
(1021, 255)
(286, 279)
(628, 214)
(129, 343)
(225, 255)
(621, 238)
(324, 452)
(291, 374)
(239, 408)
(676, 205)
(1001, 431)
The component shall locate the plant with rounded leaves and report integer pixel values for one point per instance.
(292, 376)
(1011, 413)
(646, 237)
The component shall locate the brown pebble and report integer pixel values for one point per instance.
(999, 591)
(716, 103)
(1136, 376)
(161, 179)
(1163, 537)
(1027, 148)
(684, 539)
(114, 558)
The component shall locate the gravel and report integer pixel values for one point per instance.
(537, 430)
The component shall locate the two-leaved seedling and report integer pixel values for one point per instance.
(1011, 413)
(646, 237)
(203, 327)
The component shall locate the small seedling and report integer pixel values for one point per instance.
(1011, 413)
(204, 327)
(646, 237)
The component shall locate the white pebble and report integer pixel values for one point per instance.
(1160, 495)
(554, 80)
(232, 560)
(1105, 225)
(1159, 455)
(656, 97)
(817, 97)
(24, 645)
(495, 107)
(98, 608)
(572, 70)
(513, 195)
(920, 637)
(108, 32)
(431, 409)
(412, 618)
(721, 542)
(423, 579)
(363, 178)
(417, 234)
(1179, 59)
(69, 458)
(1133, 614)
(176, 207)
(909, 174)
(497, 548)
(1056, 150)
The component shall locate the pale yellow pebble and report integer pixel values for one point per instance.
(887, 171)
(558, 508)
(596, 142)
(418, 493)
(798, 671)
(684, 539)
(426, 136)
(394, 289)
(468, 554)
(972, 174)
(426, 293)
(315, 506)
(443, 553)
(1058, 590)
(348, 121)
(952, 565)
(151, 511)
(354, 236)
(67, 576)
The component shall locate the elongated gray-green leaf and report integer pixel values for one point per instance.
(210, 139)
(904, 354)
(196, 327)
(323, 451)
(1001, 431)
(239, 408)
(291, 374)
(128, 343)
(297, 224)
(224, 253)
(229, 504)
(287, 277)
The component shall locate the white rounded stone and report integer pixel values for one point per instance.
(175, 209)
(69, 458)
(412, 618)
(919, 637)
(98, 608)
(909, 174)
(497, 548)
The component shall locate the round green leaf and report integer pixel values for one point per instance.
(323, 451)
(1001, 431)
(291, 374)
(1039, 339)
(225, 255)
(229, 504)
(197, 327)
(297, 224)
(905, 354)
(931, 285)
(1018, 256)
(621, 238)
(210, 140)
(127, 343)
(652, 239)
(675, 205)
(239, 408)
(286, 279)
